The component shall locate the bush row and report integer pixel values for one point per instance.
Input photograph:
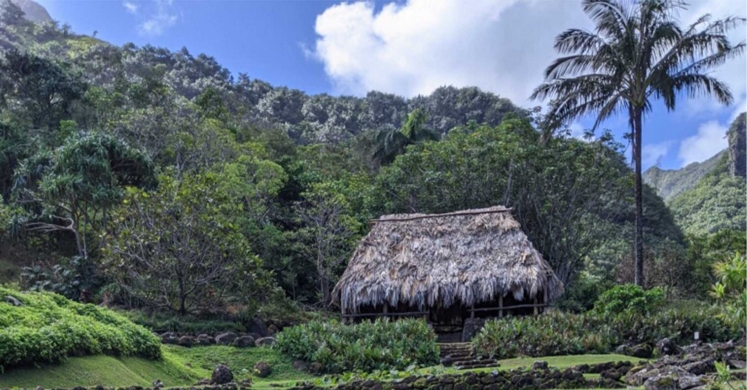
(568, 334)
(47, 328)
(368, 346)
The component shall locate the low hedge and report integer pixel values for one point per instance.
(47, 328)
(368, 346)
(569, 334)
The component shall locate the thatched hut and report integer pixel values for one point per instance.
(447, 268)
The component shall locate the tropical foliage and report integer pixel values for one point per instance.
(367, 346)
(47, 328)
(636, 54)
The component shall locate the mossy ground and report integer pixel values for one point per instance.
(185, 366)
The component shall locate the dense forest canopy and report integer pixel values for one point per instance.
(157, 179)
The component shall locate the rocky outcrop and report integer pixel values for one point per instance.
(514, 379)
(262, 369)
(738, 147)
(691, 368)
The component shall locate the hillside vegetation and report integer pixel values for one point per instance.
(669, 183)
(43, 328)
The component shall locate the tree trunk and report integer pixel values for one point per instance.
(638, 235)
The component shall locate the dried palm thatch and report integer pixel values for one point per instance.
(436, 260)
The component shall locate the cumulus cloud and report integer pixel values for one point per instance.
(710, 139)
(160, 16)
(651, 154)
(130, 7)
(502, 46)
(410, 49)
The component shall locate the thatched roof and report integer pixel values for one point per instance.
(424, 260)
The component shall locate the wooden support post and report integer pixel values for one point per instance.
(500, 306)
(386, 307)
(544, 300)
(472, 311)
(536, 309)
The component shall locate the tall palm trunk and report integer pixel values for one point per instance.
(637, 130)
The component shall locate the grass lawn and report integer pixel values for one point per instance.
(181, 366)
(101, 370)
(185, 366)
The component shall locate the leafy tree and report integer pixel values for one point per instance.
(330, 229)
(568, 194)
(74, 187)
(181, 249)
(40, 91)
(392, 143)
(636, 54)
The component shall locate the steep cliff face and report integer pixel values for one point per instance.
(33, 10)
(738, 147)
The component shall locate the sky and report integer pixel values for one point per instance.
(407, 47)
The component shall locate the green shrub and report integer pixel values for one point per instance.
(368, 346)
(568, 334)
(47, 328)
(628, 298)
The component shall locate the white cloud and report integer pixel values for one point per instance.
(130, 7)
(710, 139)
(651, 154)
(161, 15)
(502, 46)
(409, 49)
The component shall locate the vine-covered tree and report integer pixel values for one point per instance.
(636, 54)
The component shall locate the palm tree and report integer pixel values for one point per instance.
(392, 142)
(637, 53)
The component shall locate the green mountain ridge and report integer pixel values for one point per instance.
(669, 183)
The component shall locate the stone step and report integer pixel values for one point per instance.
(474, 361)
(482, 365)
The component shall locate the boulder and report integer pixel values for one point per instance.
(186, 341)
(315, 368)
(221, 375)
(244, 341)
(615, 375)
(300, 365)
(265, 341)
(170, 338)
(13, 301)
(157, 384)
(204, 339)
(272, 329)
(661, 382)
(226, 338)
(641, 351)
(262, 369)
(471, 327)
(446, 361)
(700, 367)
(539, 365)
(666, 346)
(259, 327)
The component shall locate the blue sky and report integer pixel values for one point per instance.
(409, 48)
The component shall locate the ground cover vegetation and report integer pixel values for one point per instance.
(155, 183)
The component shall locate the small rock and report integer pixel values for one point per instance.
(39, 388)
(611, 374)
(157, 384)
(243, 342)
(737, 364)
(262, 369)
(268, 341)
(204, 339)
(226, 338)
(446, 361)
(641, 351)
(170, 338)
(539, 365)
(701, 367)
(13, 300)
(221, 375)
